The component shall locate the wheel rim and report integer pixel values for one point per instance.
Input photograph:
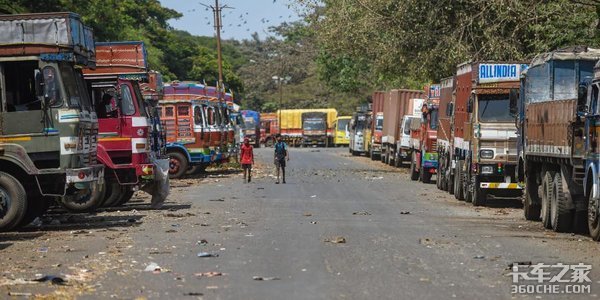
(81, 197)
(5, 202)
(174, 165)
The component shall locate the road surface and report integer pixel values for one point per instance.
(342, 227)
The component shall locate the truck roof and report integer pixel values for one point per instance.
(567, 53)
(57, 36)
(128, 60)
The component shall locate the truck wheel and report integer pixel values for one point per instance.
(531, 200)
(546, 199)
(86, 200)
(178, 165)
(397, 161)
(593, 218)
(13, 202)
(414, 174)
(562, 216)
(438, 179)
(37, 205)
(450, 183)
(467, 192)
(479, 196)
(125, 197)
(113, 192)
(425, 176)
(458, 182)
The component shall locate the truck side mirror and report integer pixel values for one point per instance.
(513, 97)
(581, 98)
(470, 104)
(39, 84)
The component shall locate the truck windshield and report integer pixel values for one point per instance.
(379, 123)
(249, 123)
(494, 108)
(433, 119)
(140, 99)
(313, 125)
(343, 124)
(74, 87)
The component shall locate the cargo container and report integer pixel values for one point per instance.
(376, 126)
(444, 180)
(125, 142)
(398, 104)
(48, 128)
(558, 140)
(484, 157)
(424, 156)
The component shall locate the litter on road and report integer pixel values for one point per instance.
(206, 254)
(336, 240)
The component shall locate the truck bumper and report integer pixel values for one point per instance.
(500, 185)
(85, 175)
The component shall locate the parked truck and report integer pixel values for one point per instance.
(359, 124)
(290, 124)
(48, 129)
(251, 126)
(376, 126)
(444, 178)
(558, 153)
(424, 138)
(484, 132)
(125, 142)
(341, 131)
(399, 108)
(314, 129)
(269, 127)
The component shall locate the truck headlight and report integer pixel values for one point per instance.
(486, 154)
(487, 169)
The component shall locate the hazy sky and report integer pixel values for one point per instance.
(246, 17)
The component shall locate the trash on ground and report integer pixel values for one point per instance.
(202, 242)
(313, 196)
(336, 240)
(405, 212)
(193, 294)
(479, 257)
(153, 267)
(19, 294)
(206, 254)
(306, 214)
(76, 232)
(52, 279)
(313, 222)
(260, 278)
(43, 250)
(208, 274)
(361, 213)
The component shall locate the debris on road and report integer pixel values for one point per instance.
(202, 242)
(18, 294)
(153, 267)
(306, 214)
(206, 254)
(52, 279)
(259, 278)
(313, 196)
(336, 240)
(193, 294)
(313, 222)
(479, 257)
(217, 200)
(361, 213)
(208, 274)
(405, 212)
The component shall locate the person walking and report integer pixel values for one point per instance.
(247, 159)
(281, 156)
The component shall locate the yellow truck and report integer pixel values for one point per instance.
(341, 131)
(292, 127)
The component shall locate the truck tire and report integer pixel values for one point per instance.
(531, 200)
(458, 182)
(414, 174)
(450, 184)
(37, 205)
(397, 161)
(547, 193)
(125, 197)
(13, 202)
(467, 191)
(84, 201)
(425, 176)
(178, 165)
(593, 219)
(561, 214)
(113, 192)
(196, 169)
(438, 179)
(479, 196)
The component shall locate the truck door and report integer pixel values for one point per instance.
(184, 124)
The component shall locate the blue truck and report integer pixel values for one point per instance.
(251, 126)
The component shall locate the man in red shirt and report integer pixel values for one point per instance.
(247, 159)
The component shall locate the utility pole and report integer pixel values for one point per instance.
(217, 9)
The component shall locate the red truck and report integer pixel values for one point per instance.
(424, 137)
(444, 180)
(124, 143)
(376, 125)
(269, 127)
(399, 107)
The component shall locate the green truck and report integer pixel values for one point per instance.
(48, 129)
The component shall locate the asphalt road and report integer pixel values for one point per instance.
(403, 240)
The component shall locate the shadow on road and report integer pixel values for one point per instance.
(70, 222)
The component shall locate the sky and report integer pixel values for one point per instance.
(245, 17)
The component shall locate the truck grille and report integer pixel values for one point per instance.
(89, 142)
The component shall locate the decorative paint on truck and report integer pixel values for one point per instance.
(48, 129)
(424, 160)
(376, 126)
(444, 179)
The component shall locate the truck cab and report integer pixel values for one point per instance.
(314, 129)
(358, 126)
(251, 127)
(424, 161)
(48, 129)
(341, 131)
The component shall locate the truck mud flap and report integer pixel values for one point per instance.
(500, 185)
(159, 188)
